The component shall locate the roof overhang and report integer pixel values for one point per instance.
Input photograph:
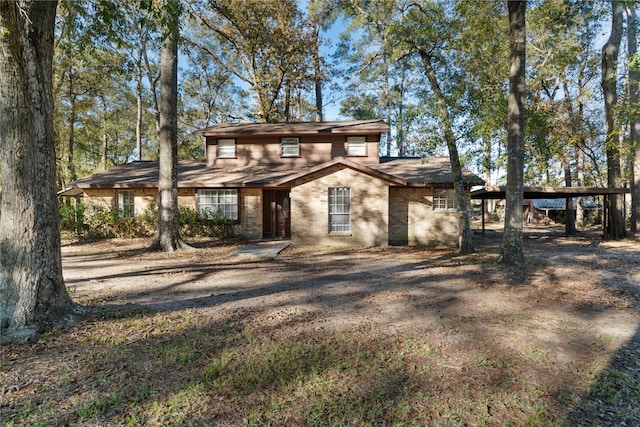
(352, 127)
(71, 192)
(547, 192)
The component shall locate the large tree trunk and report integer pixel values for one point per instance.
(634, 97)
(317, 72)
(33, 296)
(512, 252)
(168, 239)
(615, 229)
(466, 239)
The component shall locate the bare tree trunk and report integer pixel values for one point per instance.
(287, 102)
(168, 239)
(139, 108)
(153, 86)
(71, 168)
(387, 99)
(634, 97)
(570, 225)
(466, 239)
(512, 252)
(317, 73)
(486, 169)
(33, 296)
(105, 136)
(580, 220)
(615, 229)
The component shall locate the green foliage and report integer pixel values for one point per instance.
(193, 223)
(71, 216)
(100, 222)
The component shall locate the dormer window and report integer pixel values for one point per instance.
(356, 146)
(290, 147)
(226, 148)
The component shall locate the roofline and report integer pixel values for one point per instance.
(348, 163)
(344, 127)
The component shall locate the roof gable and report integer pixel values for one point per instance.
(346, 163)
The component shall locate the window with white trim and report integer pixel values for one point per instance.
(445, 200)
(290, 147)
(222, 202)
(226, 148)
(340, 210)
(125, 202)
(356, 146)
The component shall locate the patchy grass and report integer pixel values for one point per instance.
(533, 358)
(181, 368)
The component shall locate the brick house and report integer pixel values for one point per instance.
(315, 183)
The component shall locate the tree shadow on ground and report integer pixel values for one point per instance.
(614, 397)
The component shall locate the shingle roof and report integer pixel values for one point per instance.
(354, 127)
(428, 170)
(191, 173)
(195, 173)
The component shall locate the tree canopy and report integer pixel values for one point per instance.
(272, 61)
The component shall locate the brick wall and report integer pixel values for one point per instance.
(369, 208)
(143, 197)
(250, 200)
(414, 222)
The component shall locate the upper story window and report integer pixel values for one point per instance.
(290, 147)
(125, 203)
(356, 146)
(226, 148)
(445, 200)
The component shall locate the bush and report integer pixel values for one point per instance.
(193, 223)
(98, 221)
(72, 217)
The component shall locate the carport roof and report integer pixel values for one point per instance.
(547, 192)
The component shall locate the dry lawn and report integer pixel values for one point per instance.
(325, 336)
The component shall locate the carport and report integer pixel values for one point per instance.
(498, 193)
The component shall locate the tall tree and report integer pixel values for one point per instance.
(168, 238)
(33, 295)
(424, 30)
(615, 223)
(264, 45)
(512, 251)
(634, 97)
(321, 14)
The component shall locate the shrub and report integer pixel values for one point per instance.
(210, 224)
(98, 221)
(72, 217)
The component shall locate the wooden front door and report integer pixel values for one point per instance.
(276, 213)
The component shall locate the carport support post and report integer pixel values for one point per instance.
(604, 216)
(484, 202)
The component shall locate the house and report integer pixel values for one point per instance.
(315, 183)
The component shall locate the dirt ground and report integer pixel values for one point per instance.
(567, 278)
(577, 302)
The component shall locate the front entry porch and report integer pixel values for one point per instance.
(276, 214)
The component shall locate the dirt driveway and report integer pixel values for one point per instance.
(567, 279)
